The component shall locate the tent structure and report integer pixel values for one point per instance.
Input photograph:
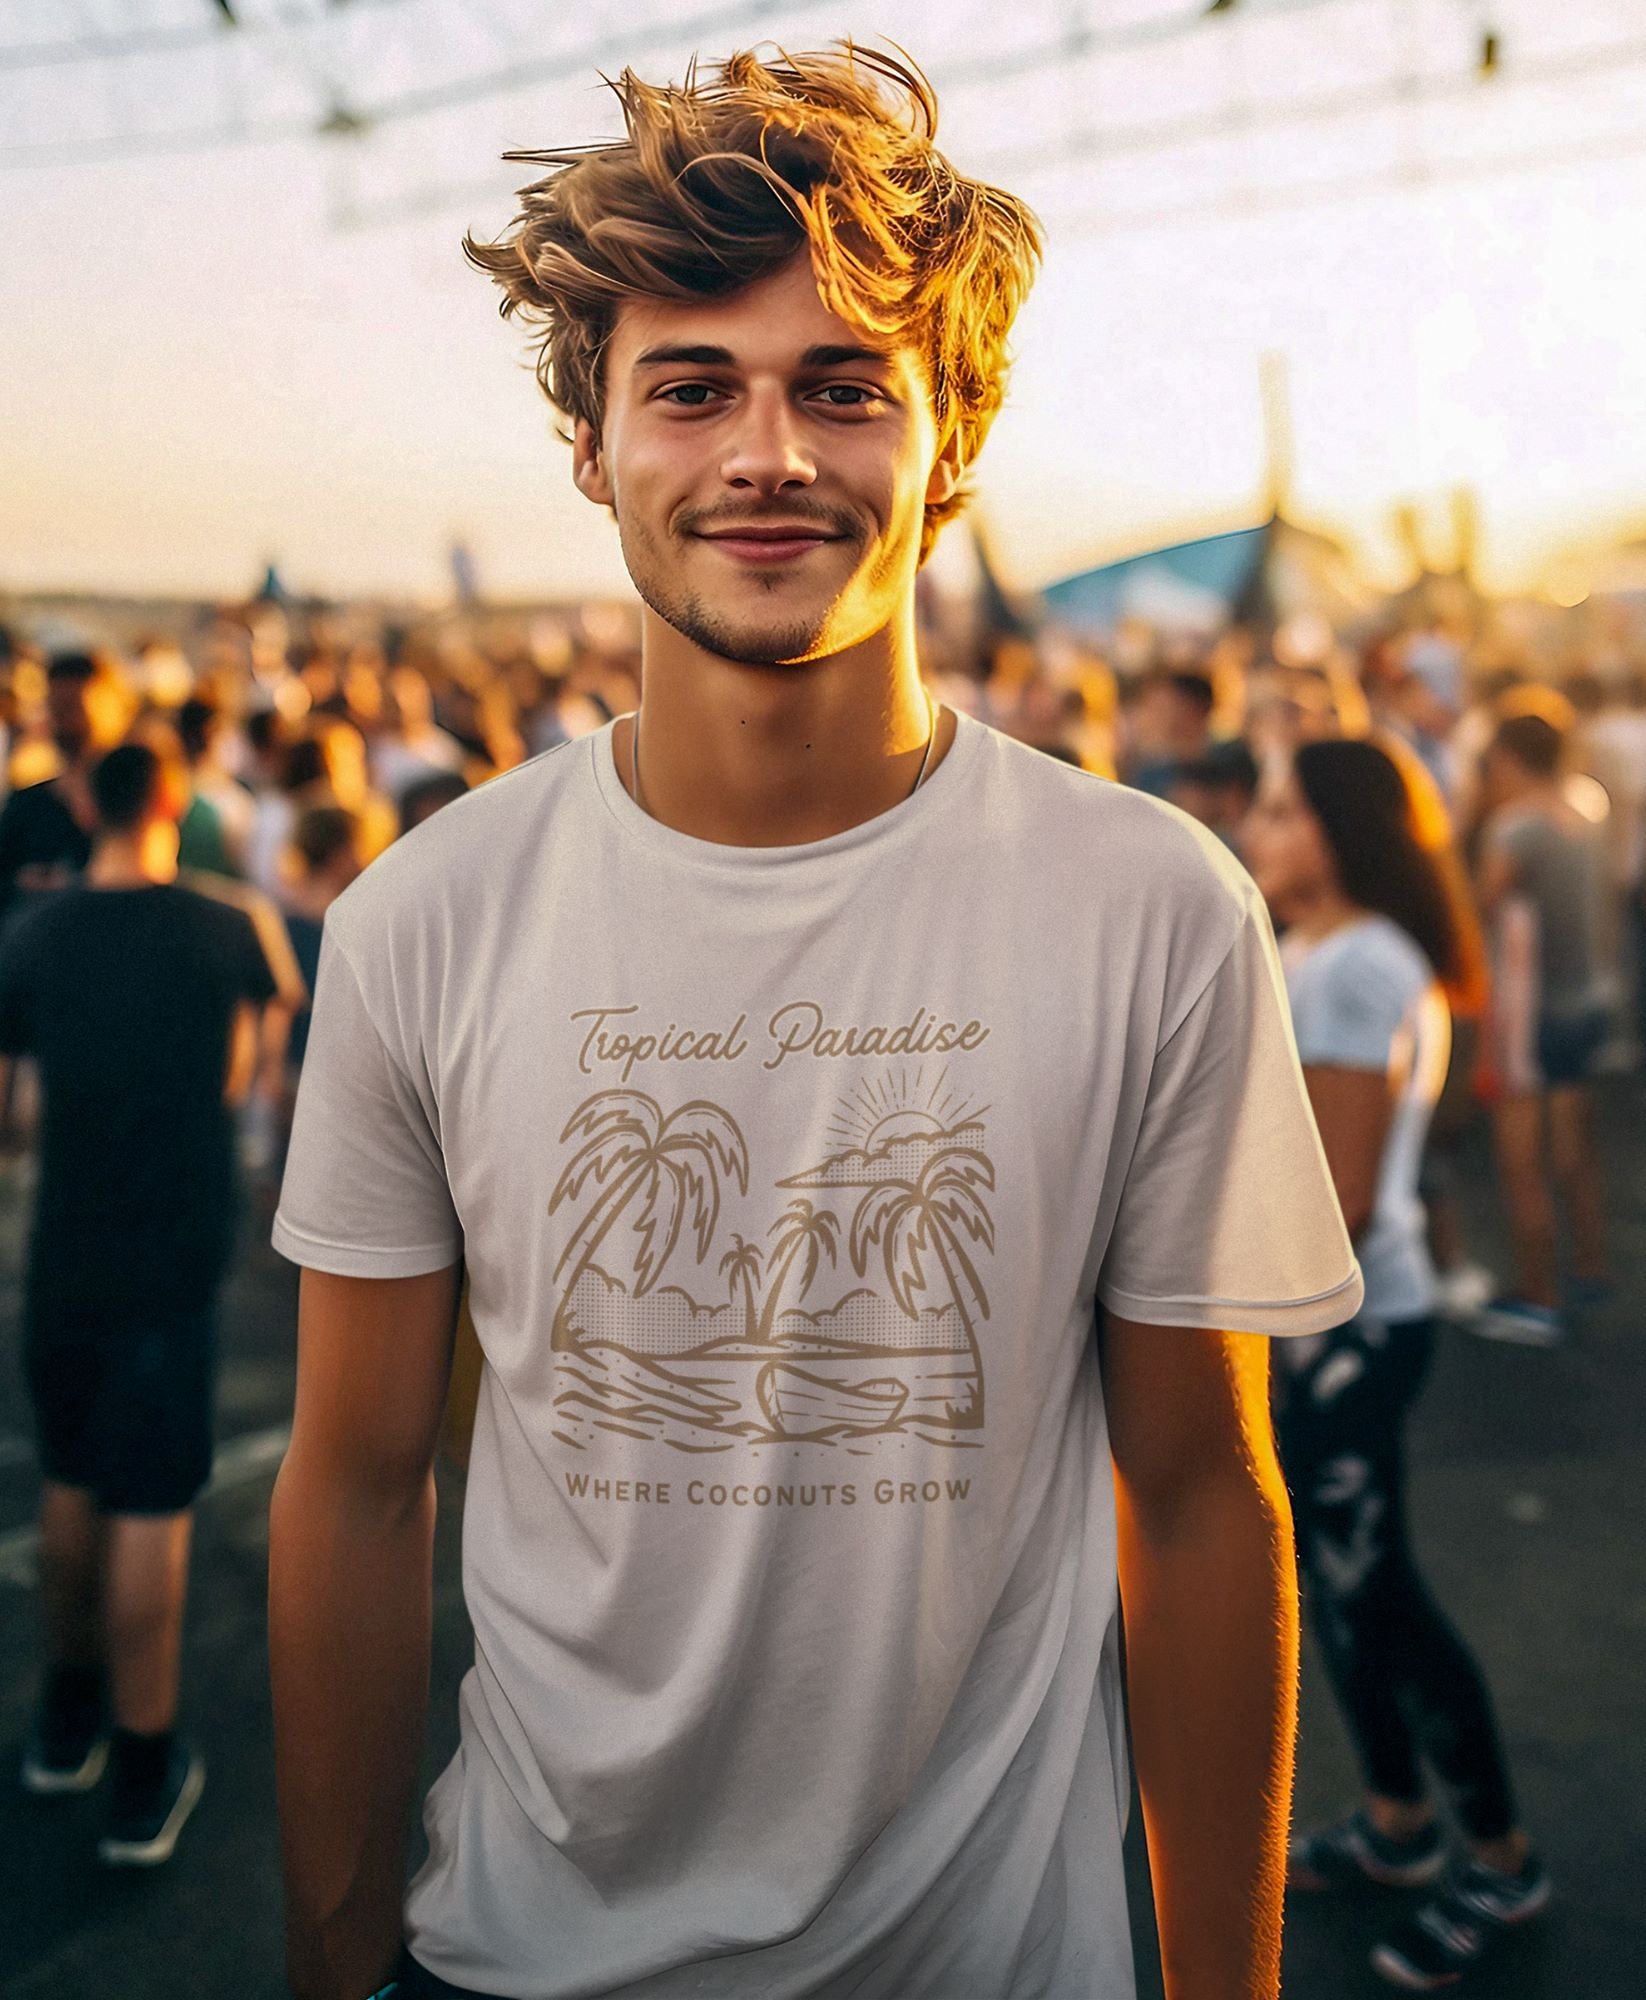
(1261, 575)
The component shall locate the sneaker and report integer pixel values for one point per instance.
(1475, 1908)
(1519, 1322)
(1354, 1851)
(144, 1821)
(1460, 1294)
(66, 1748)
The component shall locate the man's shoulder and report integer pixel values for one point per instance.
(1123, 839)
(34, 794)
(38, 801)
(467, 850)
(1518, 823)
(200, 889)
(218, 907)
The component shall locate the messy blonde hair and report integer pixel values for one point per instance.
(722, 180)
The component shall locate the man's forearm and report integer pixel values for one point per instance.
(350, 1594)
(1210, 1595)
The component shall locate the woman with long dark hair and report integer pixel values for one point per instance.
(1375, 930)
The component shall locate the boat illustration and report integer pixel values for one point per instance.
(798, 1404)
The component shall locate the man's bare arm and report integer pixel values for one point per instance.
(350, 1593)
(1209, 1589)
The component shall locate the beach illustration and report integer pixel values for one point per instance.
(854, 1316)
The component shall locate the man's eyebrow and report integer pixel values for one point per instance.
(699, 357)
(722, 357)
(839, 357)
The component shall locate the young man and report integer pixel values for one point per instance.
(1545, 891)
(133, 996)
(788, 1160)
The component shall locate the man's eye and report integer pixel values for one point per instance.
(689, 395)
(836, 390)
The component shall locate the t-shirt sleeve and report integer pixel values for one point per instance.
(364, 1193)
(1228, 1217)
(1352, 1015)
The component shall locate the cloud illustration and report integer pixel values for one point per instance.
(903, 1159)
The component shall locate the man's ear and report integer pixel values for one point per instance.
(589, 465)
(948, 470)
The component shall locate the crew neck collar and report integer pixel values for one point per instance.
(929, 802)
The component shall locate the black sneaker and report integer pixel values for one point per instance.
(1354, 1851)
(1453, 1931)
(65, 1750)
(145, 1820)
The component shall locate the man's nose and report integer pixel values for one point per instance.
(766, 451)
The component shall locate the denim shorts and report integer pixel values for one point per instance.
(1567, 1045)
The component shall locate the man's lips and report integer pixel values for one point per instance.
(768, 544)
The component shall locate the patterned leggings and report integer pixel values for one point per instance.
(1408, 1685)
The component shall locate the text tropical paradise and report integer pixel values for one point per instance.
(798, 1028)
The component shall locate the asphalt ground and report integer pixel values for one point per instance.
(1530, 1513)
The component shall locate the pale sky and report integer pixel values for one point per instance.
(201, 365)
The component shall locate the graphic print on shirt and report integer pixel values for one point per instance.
(898, 1199)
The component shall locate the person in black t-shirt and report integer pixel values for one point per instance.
(135, 999)
(46, 829)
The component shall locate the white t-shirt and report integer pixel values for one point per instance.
(786, 1177)
(1365, 997)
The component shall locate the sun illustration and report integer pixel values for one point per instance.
(903, 1125)
(875, 1115)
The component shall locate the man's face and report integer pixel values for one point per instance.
(69, 715)
(769, 467)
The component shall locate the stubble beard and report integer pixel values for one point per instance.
(748, 643)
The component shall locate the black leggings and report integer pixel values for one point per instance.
(1407, 1683)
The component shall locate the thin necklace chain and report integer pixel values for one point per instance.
(920, 775)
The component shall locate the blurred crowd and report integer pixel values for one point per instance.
(298, 745)
(294, 750)
(1525, 779)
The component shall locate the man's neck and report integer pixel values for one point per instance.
(124, 864)
(1535, 795)
(774, 756)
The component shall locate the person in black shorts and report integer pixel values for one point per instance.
(133, 996)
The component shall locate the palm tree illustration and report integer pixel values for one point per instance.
(743, 1261)
(799, 1227)
(936, 1210)
(670, 1165)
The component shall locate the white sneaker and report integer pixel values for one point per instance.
(1519, 1322)
(1461, 1293)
